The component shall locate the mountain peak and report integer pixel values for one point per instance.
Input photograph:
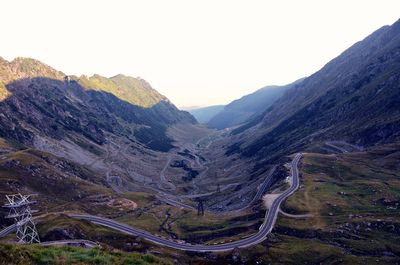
(21, 59)
(23, 67)
(120, 76)
(133, 90)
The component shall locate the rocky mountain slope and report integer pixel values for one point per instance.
(354, 98)
(115, 129)
(81, 143)
(243, 109)
(38, 101)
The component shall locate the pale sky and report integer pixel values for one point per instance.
(197, 53)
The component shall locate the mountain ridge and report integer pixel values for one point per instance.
(90, 106)
(244, 108)
(341, 100)
(204, 114)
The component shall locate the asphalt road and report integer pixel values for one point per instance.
(75, 242)
(265, 228)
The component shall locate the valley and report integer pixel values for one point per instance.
(327, 214)
(305, 173)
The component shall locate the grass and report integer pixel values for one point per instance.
(126, 88)
(341, 186)
(4, 143)
(50, 226)
(58, 188)
(48, 223)
(27, 255)
(4, 93)
(344, 193)
(212, 228)
(186, 225)
(141, 198)
(291, 250)
(334, 187)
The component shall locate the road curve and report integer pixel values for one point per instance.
(264, 230)
(78, 242)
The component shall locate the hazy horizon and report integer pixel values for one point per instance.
(195, 53)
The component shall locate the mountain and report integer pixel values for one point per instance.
(80, 142)
(133, 90)
(203, 115)
(353, 98)
(241, 110)
(116, 148)
(39, 101)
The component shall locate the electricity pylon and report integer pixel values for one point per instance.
(21, 212)
(200, 208)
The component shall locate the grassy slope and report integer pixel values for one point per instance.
(186, 225)
(4, 93)
(126, 88)
(354, 199)
(27, 171)
(27, 255)
(351, 222)
(59, 184)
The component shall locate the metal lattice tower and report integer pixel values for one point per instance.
(200, 208)
(21, 212)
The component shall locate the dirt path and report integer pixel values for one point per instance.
(343, 147)
(298, 216)
(114, 181)
(312, 205)
(162, 175)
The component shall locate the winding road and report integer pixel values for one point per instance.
(264, 230)
(74, 242)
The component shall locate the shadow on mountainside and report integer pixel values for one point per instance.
(58, 109)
